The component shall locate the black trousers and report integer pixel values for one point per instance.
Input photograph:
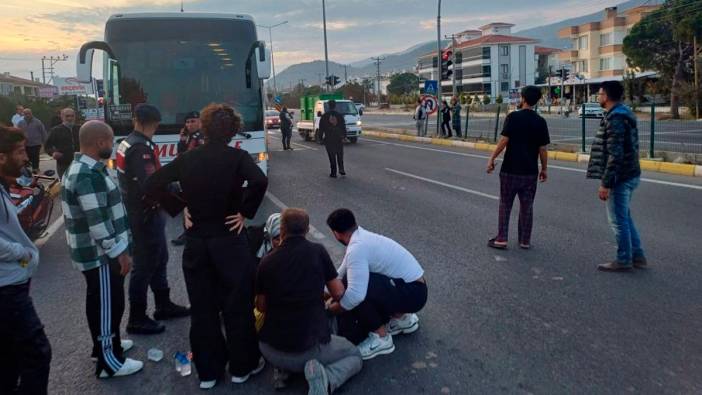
(446, 128)
(25, 353)
(150, 258)
(287, 136)
(385, 297)
(33, 153)
(104, 307)
(336, 156)
(219, 276)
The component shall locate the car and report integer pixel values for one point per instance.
(591, 110)
(272, 119)
(360, 108)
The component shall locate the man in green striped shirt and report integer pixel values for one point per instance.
(98, 237)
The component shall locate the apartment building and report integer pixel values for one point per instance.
(489, 60)
(596, 51)
(11, 85)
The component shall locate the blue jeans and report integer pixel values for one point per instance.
(619, 216)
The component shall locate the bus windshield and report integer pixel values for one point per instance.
(183, 64)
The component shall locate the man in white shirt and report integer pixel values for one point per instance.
(19, 115)
(420, 115)
(385, 286)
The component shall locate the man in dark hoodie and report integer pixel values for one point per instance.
(332, 127)
(26, 353)
(614, 159)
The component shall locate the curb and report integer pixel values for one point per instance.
(681, 169)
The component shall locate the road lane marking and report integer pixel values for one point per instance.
(573, 169)
(282, 206)
(55, 226)
(443, 184)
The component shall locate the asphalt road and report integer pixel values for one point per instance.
(672, 135)
(514, 321)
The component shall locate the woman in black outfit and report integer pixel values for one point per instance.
(217, 263)
(445, 120)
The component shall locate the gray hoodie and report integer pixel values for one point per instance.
(14, 245)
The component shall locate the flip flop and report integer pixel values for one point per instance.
(492, 243)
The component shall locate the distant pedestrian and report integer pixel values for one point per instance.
(98, 239)
(19, 115)
(614, 159)
(35, 132)
(286, 125)
(63, 141)
(525, 136)
(445, 120)
(26, 353)
(456, 116)
(420, 118)
(332, 127)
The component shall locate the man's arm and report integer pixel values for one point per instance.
(261, 303)
(357, 275)
(50, 144)
(92, 198)
(11, 251)
(615, 150)
(501, 145)
(156, 188)
(543, 156)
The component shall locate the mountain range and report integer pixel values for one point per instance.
(313, 72)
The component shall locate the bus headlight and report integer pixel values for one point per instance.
(358, 123)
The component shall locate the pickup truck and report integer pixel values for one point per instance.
(308, 126)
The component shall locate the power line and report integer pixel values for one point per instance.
(377, 61)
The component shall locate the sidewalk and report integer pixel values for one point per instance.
(648, 165)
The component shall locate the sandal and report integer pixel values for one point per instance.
(493, 243)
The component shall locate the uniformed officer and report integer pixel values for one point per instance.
(333, 128)
(190, 137)
(137, 159)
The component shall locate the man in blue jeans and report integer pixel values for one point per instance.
(614, 159)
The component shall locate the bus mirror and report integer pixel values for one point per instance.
(263, 62)
(84, 63)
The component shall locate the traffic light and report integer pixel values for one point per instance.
(333, 80)
(446, 61)
(565, 73)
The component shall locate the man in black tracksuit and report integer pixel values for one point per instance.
(332, 127)
(137, 159)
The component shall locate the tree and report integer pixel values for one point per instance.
(662, 42)
(403, 84)
(486, 99)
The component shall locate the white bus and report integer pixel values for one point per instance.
(180, 62)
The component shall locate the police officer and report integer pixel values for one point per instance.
(286, 124)
(137, 159)
(333, 129)
(190, 137)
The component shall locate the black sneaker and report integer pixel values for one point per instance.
(614, 266)
(170, 310)
(332, 175)
(640, 262)
(144, 326)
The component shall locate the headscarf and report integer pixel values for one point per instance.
(270, 231)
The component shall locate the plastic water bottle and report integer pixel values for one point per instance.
(154, 354)
(182, 363)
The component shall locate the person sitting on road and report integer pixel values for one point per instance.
(385, 286)
(289, 289)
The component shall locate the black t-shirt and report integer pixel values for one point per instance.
(292, 278)
(527, 132)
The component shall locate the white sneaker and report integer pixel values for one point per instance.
(259, 368)
(130, 366)
(404, 325)
(207, 385)
(375, 345)
(126, 344)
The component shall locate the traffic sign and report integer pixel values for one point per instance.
(278, 99)
(431, 87)
(430, 103)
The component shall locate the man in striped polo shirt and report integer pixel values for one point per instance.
(98, 238)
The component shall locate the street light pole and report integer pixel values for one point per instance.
(326, 52)
(438, 66)
(270, 38)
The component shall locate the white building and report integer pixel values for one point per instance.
(489, 61)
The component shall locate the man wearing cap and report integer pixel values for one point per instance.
(137, 159)
(190, 137)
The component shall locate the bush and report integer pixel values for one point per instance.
(42, 109)
(486, 99)
(499, 99)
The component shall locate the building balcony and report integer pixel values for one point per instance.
(611, 49)
(567, 32)
(568, 55)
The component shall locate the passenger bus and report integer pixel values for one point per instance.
(180, 62)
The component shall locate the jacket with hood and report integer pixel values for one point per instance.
(14, 245)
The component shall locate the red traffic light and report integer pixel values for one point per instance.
(446, 55)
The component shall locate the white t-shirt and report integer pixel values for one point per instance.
(16, 119)
(369, 252)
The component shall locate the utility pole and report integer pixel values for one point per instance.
(453, 54)
(326, 52)
(438, 65)
(696, 61)
(47, 66)
(31, 73)
(270, 39)
(320, 80)
(548, 101)
(346, 74)
(377, 65)
(562, 87)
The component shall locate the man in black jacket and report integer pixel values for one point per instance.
(614, 159)
(286, 124)
(332, 127)
(63, 141)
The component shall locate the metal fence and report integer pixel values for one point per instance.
(659, 136)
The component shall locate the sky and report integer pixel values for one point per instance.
(356, 29)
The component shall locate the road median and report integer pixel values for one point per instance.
(681, 169)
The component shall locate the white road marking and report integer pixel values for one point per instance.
(282, 206)
(55, 226)
(573, 169)
(429, 180)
